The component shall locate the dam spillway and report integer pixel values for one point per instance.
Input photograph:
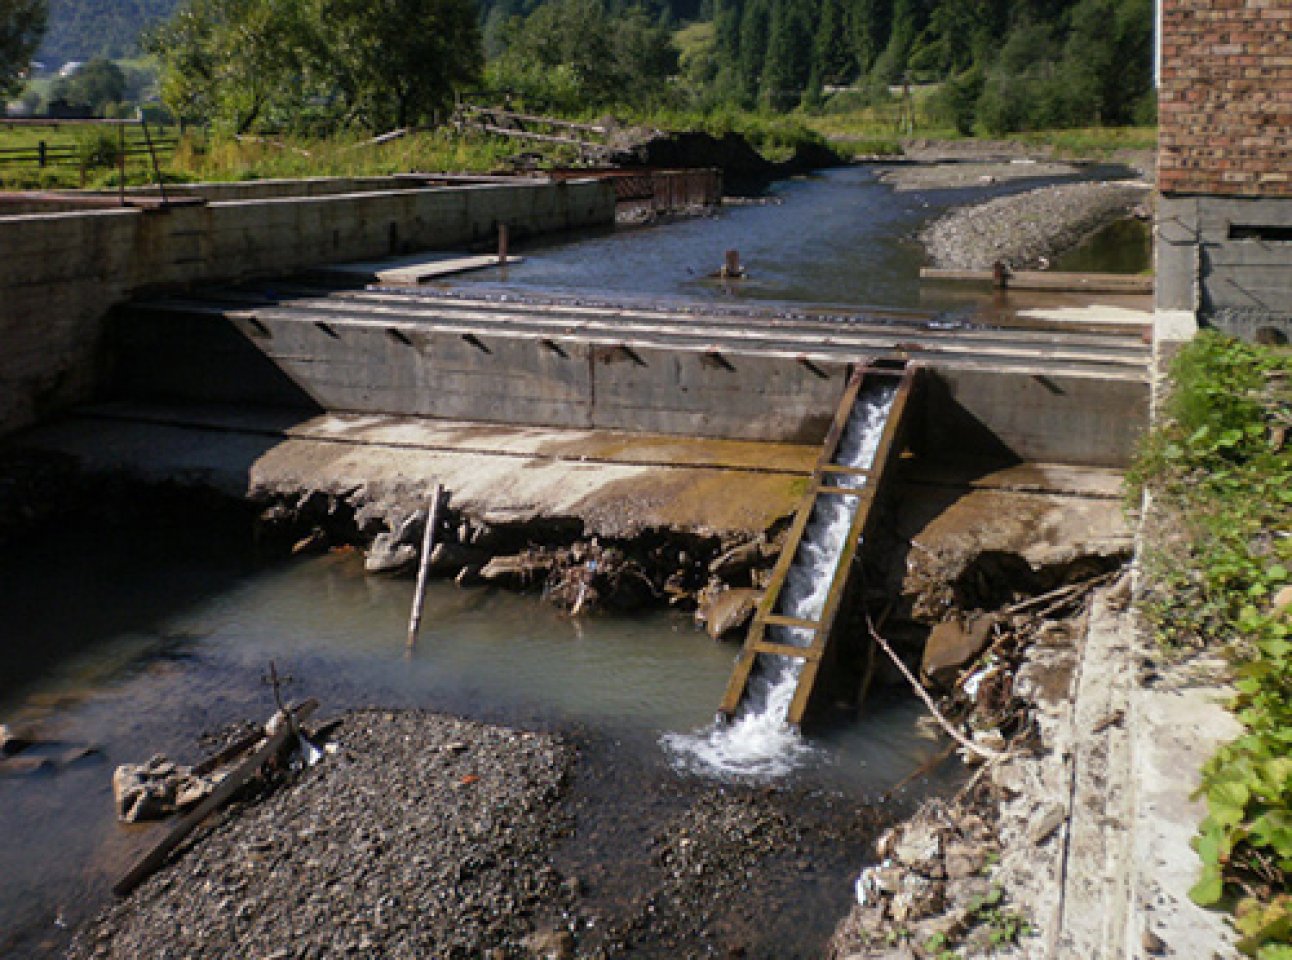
(1074, 396)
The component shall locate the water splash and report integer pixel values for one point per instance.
(757, 743)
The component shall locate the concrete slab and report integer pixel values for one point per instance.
(1174, 731)
(415, 269)
(1102, 316)
(615, 483)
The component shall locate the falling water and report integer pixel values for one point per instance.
(758, 743)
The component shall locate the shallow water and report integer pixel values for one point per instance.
(160, 644)
(137, 640)
(836, 238)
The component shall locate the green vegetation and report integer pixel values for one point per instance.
(1219, 469)
(85, 29)
(316, 65)
(22, 23)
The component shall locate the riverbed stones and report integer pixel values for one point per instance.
(398, 845)
(387, 555)
(729, 611)
(1024, 230)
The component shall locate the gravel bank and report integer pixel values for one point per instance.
(1027, 228)
(432, 841)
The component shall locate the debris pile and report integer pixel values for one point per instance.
(940, 881)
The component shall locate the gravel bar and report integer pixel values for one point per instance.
(1026, 229)
(421, 836)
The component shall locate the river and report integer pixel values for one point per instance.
(140, 635)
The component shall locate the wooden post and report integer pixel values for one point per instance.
(503, 240)
(41, 153)
(121, 162)
(423, 568)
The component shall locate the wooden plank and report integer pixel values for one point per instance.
(411, 271)
(156, 857)
(787, 650)
(1048, 280)
(796, 623)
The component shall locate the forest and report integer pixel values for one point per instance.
(989, 66)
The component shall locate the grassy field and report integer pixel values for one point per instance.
(87, 155)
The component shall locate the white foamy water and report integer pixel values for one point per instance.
(758, 743)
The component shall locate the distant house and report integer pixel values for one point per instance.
(1224, 223)
(71, 68)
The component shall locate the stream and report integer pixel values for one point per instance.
(139, 636)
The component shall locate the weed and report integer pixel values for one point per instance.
(1219, 468)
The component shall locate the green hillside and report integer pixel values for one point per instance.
(81, 29)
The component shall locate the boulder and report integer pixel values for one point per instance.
(737, 560)
(952, 646)
(730, 611)
(550, 944)
(386, 555)
(156, 789)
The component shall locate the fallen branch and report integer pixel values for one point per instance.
(985, 752)
(1063, 594)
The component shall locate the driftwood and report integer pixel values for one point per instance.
(529, 118)
(984, 752)
(156, 857)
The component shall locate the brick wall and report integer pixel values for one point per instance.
(1225, 102)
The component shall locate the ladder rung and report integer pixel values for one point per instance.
(841, 491)
(851, 471)
(787, 650)
(798, 623)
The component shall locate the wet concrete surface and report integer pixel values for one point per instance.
(616, 483)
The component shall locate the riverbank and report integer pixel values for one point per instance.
(1028, 230)
(417, 833)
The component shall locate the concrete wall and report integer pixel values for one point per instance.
(1228, 259)
(60, 273)
(995, 417)
(372, 368)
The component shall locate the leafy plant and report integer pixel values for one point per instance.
(1219, 468)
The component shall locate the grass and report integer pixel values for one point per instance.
(199, 157)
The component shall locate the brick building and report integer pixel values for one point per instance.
(1225, 162)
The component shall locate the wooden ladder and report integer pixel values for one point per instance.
(812, 655)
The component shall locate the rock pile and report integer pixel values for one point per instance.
(1024, 230)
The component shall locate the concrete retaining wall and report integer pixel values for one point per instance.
(994, 417)
(367, 367)
(1229, 259)
(371, 368)
(60, 273)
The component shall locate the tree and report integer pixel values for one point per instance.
(398, 62)
(22, 24)
(97, 85)
(291, 63)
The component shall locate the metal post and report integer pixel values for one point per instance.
(40, 153)
(161, 186)
(121, 162)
